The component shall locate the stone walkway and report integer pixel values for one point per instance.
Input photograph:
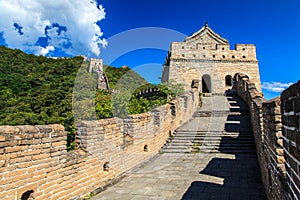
(223, 167)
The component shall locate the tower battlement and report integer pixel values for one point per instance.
(206, 53)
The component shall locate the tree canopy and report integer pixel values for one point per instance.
(36, 90)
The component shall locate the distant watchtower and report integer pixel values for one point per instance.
(204, 60)
(96, 66)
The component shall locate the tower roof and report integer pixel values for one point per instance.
(206, 31)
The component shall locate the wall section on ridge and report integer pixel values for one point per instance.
(34, 159)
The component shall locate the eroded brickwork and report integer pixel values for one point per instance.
(291, 134)
(275, 125)
(34, 158)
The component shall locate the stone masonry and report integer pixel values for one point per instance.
(96, 66)
(212, 156)
(206, 57)
(275, 125)
(290, 108)
(34, 161)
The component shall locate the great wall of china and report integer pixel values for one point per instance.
(35, 164)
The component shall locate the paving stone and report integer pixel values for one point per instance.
(209, 175)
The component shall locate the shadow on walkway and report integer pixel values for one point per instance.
(242, 179)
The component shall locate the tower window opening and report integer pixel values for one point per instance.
(228, 80)
(27, 195)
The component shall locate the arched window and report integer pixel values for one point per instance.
(228, 80)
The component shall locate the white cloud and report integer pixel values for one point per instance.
(66, 24)
(275, 86)
(46, 50)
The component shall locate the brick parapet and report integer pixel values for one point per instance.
(35, 157)
(290, 107)
(275, 125)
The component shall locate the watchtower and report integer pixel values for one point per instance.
(96, 66)
(205, 58)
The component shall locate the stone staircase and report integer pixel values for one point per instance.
(221, 125)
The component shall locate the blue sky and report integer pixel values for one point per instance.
(273, 26)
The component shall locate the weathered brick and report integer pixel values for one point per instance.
(19, 160)
(23, 165)
(297, 105)
(293, 92)
(9, 130)
(294, 151)
(30, 152)
(40, 156)
(2, 138)
(15, 149)
(27, 129)
(10, 197)
(22, 177)
(289, 105)
(57, 128)
(31, 169)
(30, 141)
(14, 185)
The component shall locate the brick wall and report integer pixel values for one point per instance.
(35, 159)
(290, 99)
(272, 158)
(254, 99)
(275, 125)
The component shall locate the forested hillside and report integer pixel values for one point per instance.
(37, 90)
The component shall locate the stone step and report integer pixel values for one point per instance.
(207, 143)
(246, 151)
(210, 143)
(213, 137)
(175, 151)
(211, 132)
(187, 133)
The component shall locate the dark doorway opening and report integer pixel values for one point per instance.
(228, 80)
(206, 84)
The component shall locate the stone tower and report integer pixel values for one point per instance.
(96, 66)
(204, 60)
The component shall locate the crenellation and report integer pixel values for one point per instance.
(36, 158)
(207, 54)
(277, 137)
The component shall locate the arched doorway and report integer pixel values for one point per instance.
(206, 84)
(228, 80)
